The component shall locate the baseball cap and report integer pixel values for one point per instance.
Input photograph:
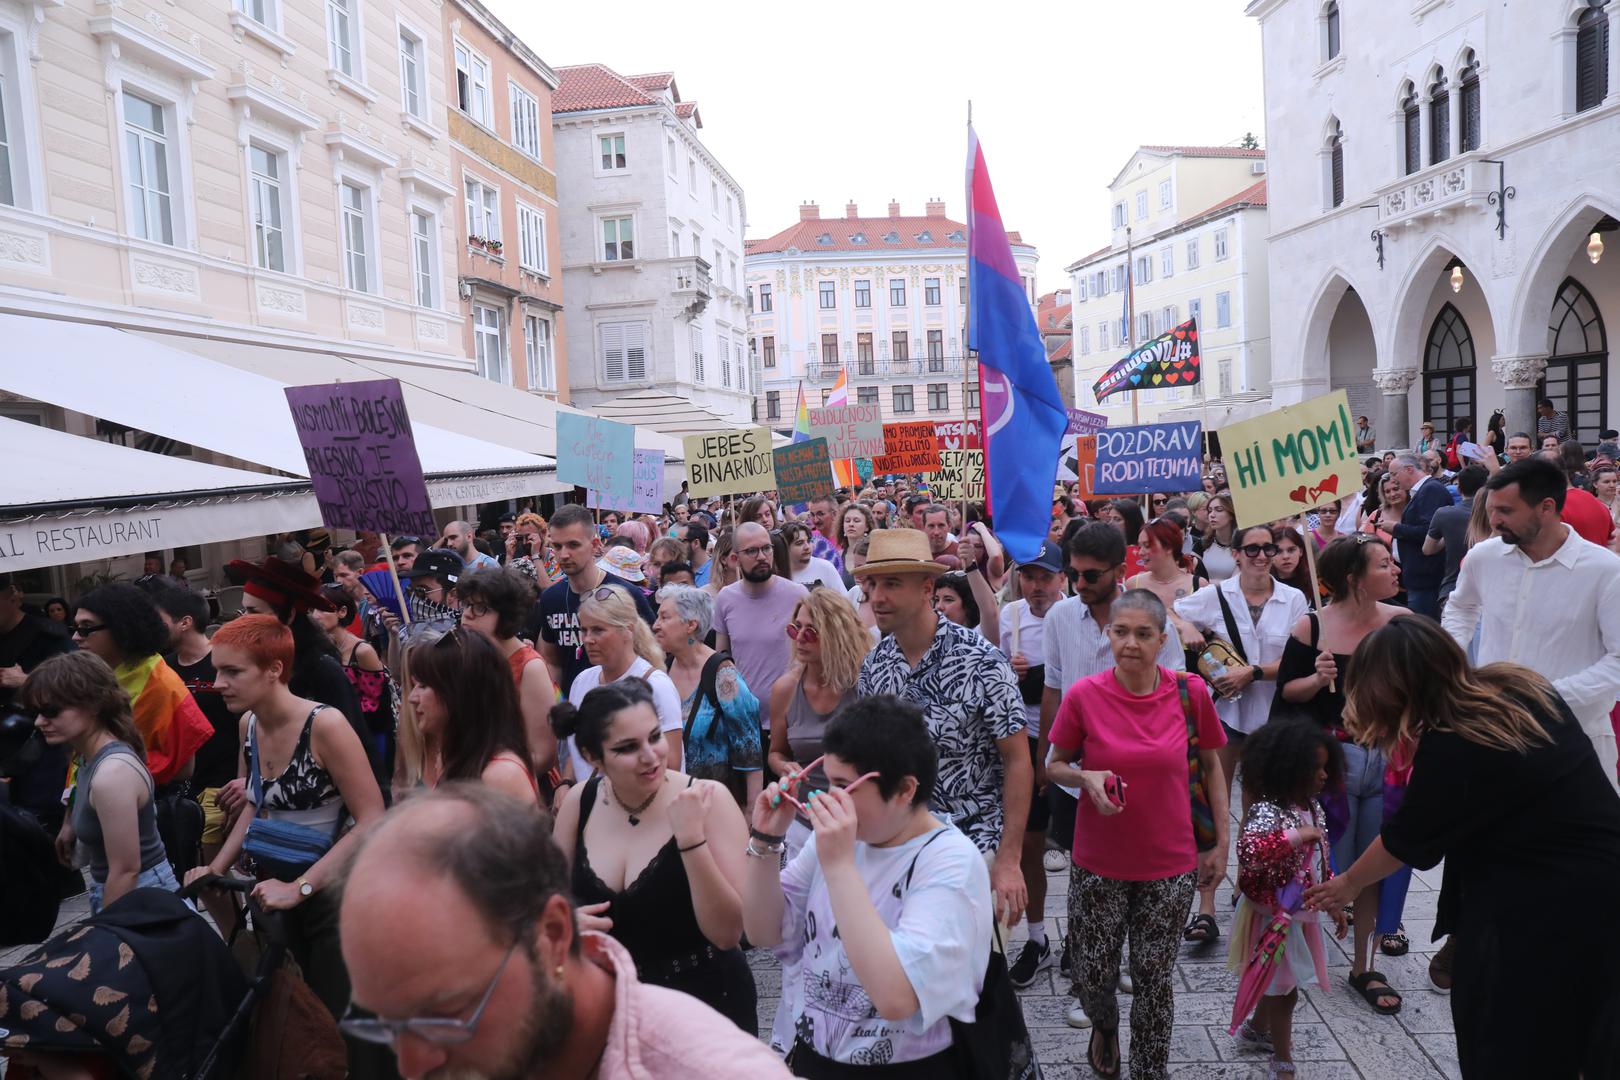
(438, 563)
(1050, 558)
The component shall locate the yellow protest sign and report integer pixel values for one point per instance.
(736, 462)
(960, 475)
(1291, 460)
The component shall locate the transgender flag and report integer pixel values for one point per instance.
(843, 469)
(1024, 418)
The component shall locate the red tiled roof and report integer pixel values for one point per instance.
(597, 86)
(658, 80)
(806, 235)
(1064, 351)
(686, 110)
(1208, 151)
(1254, 195)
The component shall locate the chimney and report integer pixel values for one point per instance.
(935, 208)
(894, 208)
(851, 210)
(809, 211)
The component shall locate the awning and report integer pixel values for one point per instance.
(674, 416)
(454, 400)
(73, 499)
(141, 382)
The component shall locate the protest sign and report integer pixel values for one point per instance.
(362, 457)
(1171, 359)
(958, 435)
(960, 476)
(1082, 422)
(597, 455)
(1149, 457)
(803, 471)
(851, 431)
(647, 487)
(1291, 460)
(1077, 464)
(734, 462)
(908, 448)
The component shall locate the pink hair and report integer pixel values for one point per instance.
(638, 534)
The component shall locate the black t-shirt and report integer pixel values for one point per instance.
(216, 762)
(29, 644)
(558, 612)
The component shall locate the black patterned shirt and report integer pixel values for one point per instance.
(969, 697)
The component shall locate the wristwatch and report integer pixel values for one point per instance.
(305, 888)
(1254, 669)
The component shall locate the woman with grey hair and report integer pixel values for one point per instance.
(721, 734)
(1122, 736)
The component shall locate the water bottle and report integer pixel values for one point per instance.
(1216, 670)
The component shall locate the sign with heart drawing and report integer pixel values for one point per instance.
(1291, 460)
(1171, 359)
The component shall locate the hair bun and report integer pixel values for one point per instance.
(564, 720)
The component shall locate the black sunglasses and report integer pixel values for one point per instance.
(85, 629)
(1254, 551)
(48, 712)
(1091, 577)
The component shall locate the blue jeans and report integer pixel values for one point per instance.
(1364, 796)
(159, 877)
(1424, 602)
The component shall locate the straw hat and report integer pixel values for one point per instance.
(898, 551)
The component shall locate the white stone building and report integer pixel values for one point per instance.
(652, 244)
(1443, 179)
(1191, 221)
(881, 298)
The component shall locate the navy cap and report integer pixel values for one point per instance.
(1050, 558)
(438, 563)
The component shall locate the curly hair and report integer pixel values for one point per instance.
(1279, 761)
(839, 538)
(844, 641)
(504, 591)
(131, 617)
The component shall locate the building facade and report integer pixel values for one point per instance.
(264, 171)
(883, 299)
(1054, 314)
(1189, 228)
(503, 163)
(1442, 184)
(652, 245)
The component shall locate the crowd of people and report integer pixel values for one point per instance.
(622, 751)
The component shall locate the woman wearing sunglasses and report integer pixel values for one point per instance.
(620, 645)
(1262, 611)
(885, 913)
(77, 701)
(656, 856)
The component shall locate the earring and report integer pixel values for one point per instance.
(559, 972)
(690, 640)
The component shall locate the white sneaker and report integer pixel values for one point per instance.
(1077, 1018)
(1055, 860)
(1125, 984)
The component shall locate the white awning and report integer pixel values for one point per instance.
(454, 400)
(140, 381)
(674, 416)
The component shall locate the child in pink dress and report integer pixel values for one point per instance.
(1281, 852)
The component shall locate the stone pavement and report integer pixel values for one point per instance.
(1336, 1034)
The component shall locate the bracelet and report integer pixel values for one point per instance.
(765, 837)
(692, 847)
(770, 850)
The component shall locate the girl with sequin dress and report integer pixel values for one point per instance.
(1286, 764)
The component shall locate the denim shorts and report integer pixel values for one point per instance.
(159, 877)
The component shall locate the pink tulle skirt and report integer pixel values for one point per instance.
(1304, 953)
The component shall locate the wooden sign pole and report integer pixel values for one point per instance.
(1316, 590)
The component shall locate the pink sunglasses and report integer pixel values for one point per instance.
(802, 776)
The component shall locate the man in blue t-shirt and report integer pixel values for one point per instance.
(575, 544)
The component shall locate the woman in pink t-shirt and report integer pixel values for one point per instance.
(1121, 735)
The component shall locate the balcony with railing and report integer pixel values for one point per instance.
(692, 283)
(915, 369)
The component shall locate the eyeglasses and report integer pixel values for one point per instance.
(1254, 551)
(85, 629)
(803, 776)
(477, 611)
(48, 712)
(604, 592)
(438, 1030)
(1090, 577)
(757, 552)
(1160, 499)
(808, 634)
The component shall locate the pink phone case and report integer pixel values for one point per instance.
(1114, 788)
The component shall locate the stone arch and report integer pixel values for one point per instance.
(1547, 267)
(1408, 328)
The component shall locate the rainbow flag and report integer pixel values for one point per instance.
(801, 419)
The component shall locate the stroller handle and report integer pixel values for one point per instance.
(216, 881)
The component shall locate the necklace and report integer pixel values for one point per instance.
(1161, 581)
(633, 811)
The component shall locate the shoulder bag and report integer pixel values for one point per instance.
(1203, 818)
(280, 849)
(1217, 654)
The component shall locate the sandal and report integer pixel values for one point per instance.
(1363, 985)
(1201, 930)
(1249, 1035)
(1396, 944)
(1109, 1068)
(1280, 1070)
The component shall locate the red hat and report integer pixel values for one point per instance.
(279, 583)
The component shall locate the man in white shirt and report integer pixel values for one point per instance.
(1543, 597)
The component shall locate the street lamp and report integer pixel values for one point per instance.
(1456, 277)
(1594, 248)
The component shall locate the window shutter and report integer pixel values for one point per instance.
(1592, 60)
(1414, 138)
(1470, 111)
(613, 352)
(1338, 173)
(1439, 127)
(635, 351)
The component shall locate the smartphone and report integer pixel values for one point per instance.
(1114, 788)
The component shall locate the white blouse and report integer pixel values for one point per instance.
(1261, 641)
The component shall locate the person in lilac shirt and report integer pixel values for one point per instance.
(823, 512)
(471, 878)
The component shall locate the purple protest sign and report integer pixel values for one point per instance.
(362, 457)
(1082, 422)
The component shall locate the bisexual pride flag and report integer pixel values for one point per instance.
(1024, 417)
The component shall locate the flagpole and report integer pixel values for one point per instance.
(967, 329)
(1130, 313)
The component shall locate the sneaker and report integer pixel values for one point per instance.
(1055, 860)
(1077, 1018)
(1032, 959)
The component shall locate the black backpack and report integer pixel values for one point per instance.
(29, 880)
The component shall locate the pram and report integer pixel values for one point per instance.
(146, 990)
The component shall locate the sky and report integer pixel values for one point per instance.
(837, 101)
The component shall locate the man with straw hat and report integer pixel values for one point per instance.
(969, 698)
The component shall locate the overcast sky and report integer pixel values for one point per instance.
(867, 101)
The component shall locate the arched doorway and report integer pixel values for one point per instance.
(1577, 375)
(1448, 372)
